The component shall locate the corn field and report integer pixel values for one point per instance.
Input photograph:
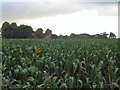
(34, 64)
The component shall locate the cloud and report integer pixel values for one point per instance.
(12, 11)
(61, 1)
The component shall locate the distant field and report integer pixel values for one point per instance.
(61, 63)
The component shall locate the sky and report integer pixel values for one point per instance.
(63, 16)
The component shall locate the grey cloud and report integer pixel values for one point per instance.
(61, 1)
(0, 12)
(106, 8)
(35, 10)
(28, 10)
(95, 0)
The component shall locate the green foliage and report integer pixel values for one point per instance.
(112, 35)
(61, 63)
(14, 31)
(39, 33)
(48, 32)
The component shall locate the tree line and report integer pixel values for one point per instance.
(24, 31)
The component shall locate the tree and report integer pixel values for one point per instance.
(60, 36)
(13, 30)
(13, 25)
(85, 35)
(72, 35)
(112, 35)
(104, 35)
(24, 31)
(48, 33)
(97, 36)
(54, 36)
(39, 33)
(5, 30)
(65, 36)
(8, 30)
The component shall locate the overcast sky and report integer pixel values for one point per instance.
(64, 16)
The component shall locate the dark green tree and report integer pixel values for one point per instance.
(112, 35)
(24, 31)
(72, 35)
(104, 35)
(84, 35)
(54, 36)
(5, 30)
(39, 33)
(13, 30)
(48, 32)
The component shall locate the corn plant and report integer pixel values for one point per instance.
(50, 64)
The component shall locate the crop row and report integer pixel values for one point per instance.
(72, 63)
